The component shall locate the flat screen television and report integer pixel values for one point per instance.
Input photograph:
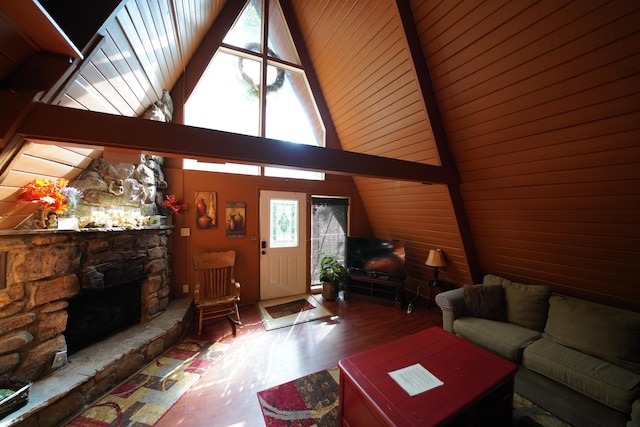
(380, 258)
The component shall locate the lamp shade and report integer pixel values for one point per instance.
(435, 258)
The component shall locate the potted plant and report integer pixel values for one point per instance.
(332, 275)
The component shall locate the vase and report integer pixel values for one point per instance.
(204, 221)
(71, 210)
(201, 207)
(238, 222)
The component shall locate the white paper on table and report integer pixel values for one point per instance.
(415, 379)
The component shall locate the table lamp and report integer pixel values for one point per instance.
(435, 260)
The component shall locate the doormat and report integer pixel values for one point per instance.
(288, 311)
(285, 309)
(313, 400)
(147, 395)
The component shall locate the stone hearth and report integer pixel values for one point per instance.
(95, 370)
(40, 271)
(43, 269)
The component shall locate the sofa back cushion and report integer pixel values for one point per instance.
(608, 333)
(492, 279)
(526, 305)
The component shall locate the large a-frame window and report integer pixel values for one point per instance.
(257, 88)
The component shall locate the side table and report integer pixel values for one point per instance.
(440, 286)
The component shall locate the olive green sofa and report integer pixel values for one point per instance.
(578, 359)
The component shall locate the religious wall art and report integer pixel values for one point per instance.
(236, 217)
(206, 208)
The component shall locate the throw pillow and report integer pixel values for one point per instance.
(485, 302)
(527, 305)
(491, 279)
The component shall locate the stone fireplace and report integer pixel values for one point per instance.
(48, 272)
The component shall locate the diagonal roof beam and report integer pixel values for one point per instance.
(332, 138)
(203, 55)
(439, 135)
(67, 125)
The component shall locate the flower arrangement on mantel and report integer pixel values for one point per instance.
(54, 196)
(49, 193)
(173, 204)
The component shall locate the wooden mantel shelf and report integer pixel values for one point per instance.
(80, 230)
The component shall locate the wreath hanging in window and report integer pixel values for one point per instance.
(255, 86)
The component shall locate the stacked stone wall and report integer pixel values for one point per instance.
(46, 268)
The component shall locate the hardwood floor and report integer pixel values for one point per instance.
(256, 359)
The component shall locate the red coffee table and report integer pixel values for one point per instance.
(478, 385)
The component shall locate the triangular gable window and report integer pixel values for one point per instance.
(232, 94)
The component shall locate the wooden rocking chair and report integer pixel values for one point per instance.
(216, 293)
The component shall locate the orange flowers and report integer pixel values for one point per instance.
(176, 205)
(48, 193)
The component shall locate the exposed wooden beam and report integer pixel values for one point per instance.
(15, 106)
(332, 138)
(200, 60)
(439, 135)
(192, 72)
(40, 28)
(60, 124)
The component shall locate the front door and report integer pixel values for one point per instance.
(283, 244)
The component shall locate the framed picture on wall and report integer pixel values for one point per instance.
(236, 217)
(206, 208)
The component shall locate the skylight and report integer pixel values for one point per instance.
(233, 96)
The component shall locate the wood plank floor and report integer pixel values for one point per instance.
(256, 359)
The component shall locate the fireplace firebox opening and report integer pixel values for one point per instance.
(94, 315)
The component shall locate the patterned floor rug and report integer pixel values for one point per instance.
(528, 414)
(308, 401)
(147, 395)
(313, 401)
(288, 311)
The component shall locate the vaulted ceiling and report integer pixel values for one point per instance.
(516, 124)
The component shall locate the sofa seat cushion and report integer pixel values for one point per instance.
(501, 338)
(605, 382)
(608, 333)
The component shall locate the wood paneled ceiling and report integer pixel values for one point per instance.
(534, 104)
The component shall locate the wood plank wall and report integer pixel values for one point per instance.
(144, 50)
(361, 56)
(38, 160)
(540, 103)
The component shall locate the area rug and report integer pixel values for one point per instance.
(312, 400)
(308, 401)
(528, 414)
(146, 396)
(282, 312)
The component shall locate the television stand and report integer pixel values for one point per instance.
(377, 287)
